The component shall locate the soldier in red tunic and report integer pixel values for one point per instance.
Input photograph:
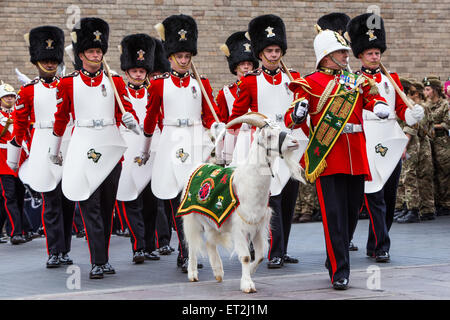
(184, 142)
(135, 198)
(12, 188)
(92, 166)
(36, 106)
(368, 41)
(241, 60)
(265, 90)
(336, 156)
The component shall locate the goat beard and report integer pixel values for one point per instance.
(294, 166)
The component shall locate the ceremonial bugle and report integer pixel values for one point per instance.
(197, 77)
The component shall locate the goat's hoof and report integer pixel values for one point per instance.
(248, 287)
(219, 278)
(193, 277)
(249, 290)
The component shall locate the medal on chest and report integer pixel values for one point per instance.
(194, 92)
(104, 90)
(386, 88)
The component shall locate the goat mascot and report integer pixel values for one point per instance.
(239, 213)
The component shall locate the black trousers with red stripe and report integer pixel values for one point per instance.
(283, 206)
(140, 216)
(381, 207)
(57, 219)
(163, 232)
(170, 208)
(97, 214)
(340, 198)
(77, 221)
(12, 200)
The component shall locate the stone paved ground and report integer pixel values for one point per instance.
(419, 270)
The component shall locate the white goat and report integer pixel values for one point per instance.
(251, 219)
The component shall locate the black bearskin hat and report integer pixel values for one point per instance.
(161, 64)
(46, 43)
(237, 49)
(137, 51)
(335, 21)
(366, 31)
(267, 30)
(90, 33)
(179, 33)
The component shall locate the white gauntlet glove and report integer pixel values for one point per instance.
(145, 151)
(53, 151)
(412, 116)
(13, 154)
(130, 122)
(381, 110)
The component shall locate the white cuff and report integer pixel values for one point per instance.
(409, 118)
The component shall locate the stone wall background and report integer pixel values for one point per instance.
(418, 34)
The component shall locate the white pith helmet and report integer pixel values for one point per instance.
(6, 89)
(326, 42)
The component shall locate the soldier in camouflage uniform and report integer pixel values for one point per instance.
(418, 186)
(439, 107)
(400, 203)
(307, 203)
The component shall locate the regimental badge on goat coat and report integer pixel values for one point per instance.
(210, 193)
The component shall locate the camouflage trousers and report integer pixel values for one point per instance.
(400, 200)
(307, 200)
(418, 176)
(441, 163)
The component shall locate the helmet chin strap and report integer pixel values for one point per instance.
(343, 66)
(8, 105)
(176, 62)
(45, 69)
(135, 80)
(275, 63)
(91, 61)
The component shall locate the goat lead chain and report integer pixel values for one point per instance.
(247, 222)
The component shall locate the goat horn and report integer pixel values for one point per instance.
(253, 118)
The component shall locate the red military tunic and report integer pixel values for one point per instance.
(222, 103)
(348, 155)
(4, 138)
(65, 97)
(399, 105)
(155, 108)
(247, 92)
(23, 115)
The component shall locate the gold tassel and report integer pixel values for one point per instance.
(373, 86)
(313, 176)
